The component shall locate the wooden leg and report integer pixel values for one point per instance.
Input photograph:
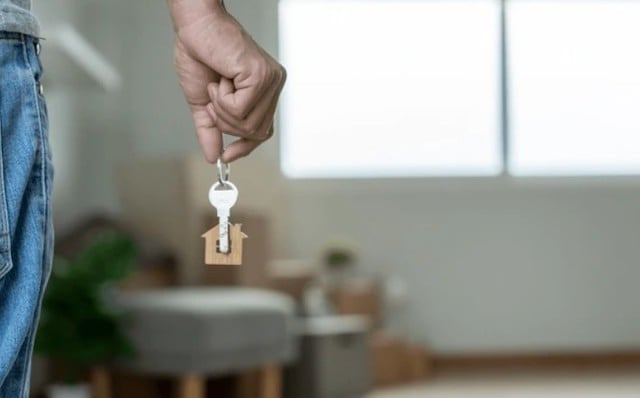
(100, 383)
(270, 382)
(191, 386)
(246, 384)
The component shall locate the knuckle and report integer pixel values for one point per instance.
(283, 73)
(269, 135)
(261, 71)
(266, 135)
(265, 68)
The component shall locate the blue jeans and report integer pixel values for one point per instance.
(26, 234)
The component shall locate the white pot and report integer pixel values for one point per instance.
(69, 391)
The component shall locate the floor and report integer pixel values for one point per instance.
(561, 385)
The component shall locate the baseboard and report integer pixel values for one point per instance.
(553, 361)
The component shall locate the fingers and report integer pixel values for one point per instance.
(209, 135)
(266, 124)
(211, 46)
(255, 126)
(241, 148)
(240, 96)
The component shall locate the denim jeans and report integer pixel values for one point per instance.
(26, 234)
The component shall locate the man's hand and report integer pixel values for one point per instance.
(231, 84)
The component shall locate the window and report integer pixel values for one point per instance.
(575, 98)
(390, 88)
(414, 87)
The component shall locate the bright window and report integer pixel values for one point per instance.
(575, 87)
(414, 87)
(390, 88)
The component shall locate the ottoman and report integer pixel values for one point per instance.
(192, 333)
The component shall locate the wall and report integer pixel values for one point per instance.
(491, 264)
(89, 128)
(64, 132)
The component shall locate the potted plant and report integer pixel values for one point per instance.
(339, 260)
(79, 331)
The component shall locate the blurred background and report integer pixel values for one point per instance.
(450, 206)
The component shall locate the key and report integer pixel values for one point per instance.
(223, 195)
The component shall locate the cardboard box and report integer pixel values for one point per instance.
(292, 277)
(389, 364)
(361, 297)
(419, 363)
(293, 286)
(394, 361)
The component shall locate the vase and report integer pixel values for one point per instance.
(69, 391)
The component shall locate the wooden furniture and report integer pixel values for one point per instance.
(189, 334)
(100, 383)
(265, 382)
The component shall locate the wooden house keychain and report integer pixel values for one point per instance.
(223, 243)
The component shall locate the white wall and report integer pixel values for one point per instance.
(492, 264)
(63, 131)
(89, 128)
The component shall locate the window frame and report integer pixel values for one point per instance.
(506, 177)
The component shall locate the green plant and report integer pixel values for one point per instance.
(337, 258)
(78, 328)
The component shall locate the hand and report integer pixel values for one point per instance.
(231, 84)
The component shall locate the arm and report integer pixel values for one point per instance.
(231, 84)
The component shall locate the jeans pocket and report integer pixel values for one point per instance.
(5, 241)
(5, 237)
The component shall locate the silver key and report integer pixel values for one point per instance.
(223, 196)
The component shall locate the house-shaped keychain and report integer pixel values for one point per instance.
(213, 256)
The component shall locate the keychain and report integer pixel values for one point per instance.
(223, 243)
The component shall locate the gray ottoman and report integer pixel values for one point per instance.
(192, 333)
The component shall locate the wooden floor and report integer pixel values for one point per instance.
(609, 384)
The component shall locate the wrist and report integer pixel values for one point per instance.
(185, 12)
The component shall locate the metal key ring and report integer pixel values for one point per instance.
(224, 171)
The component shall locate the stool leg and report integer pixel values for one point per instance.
(270, 382)
(247, 384)
(191, 386)
(100, 383)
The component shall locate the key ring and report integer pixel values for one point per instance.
(224, 171)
